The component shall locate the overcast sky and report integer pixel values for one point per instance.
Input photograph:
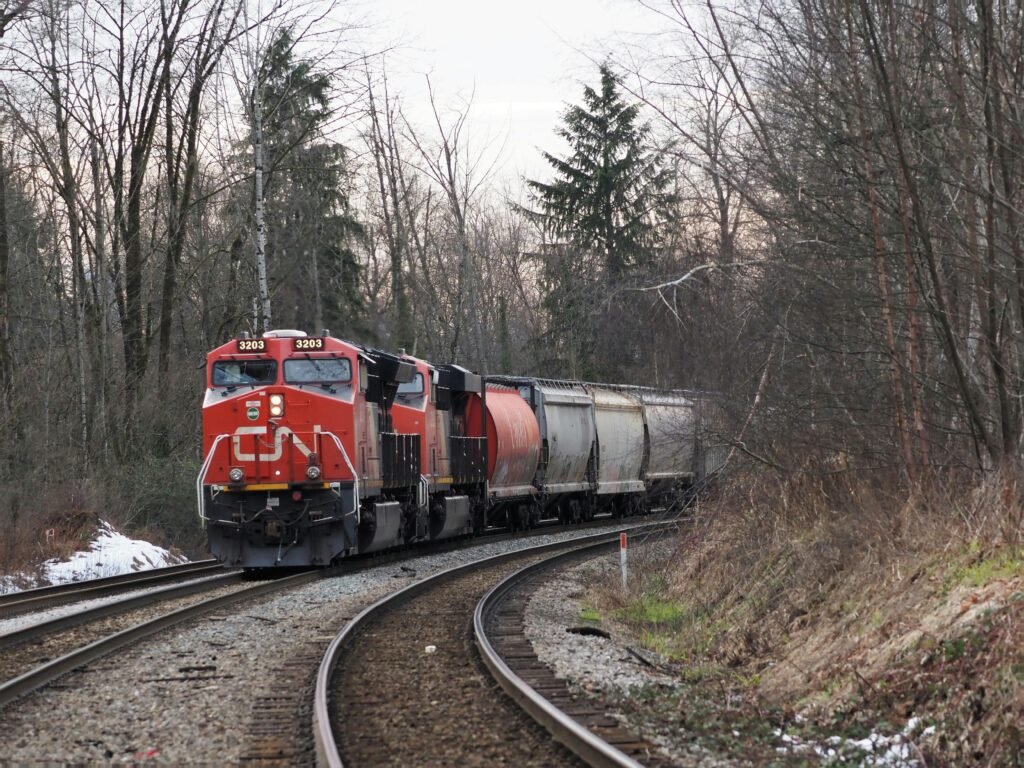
(520, 60)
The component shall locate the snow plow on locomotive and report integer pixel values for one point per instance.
(315, 449)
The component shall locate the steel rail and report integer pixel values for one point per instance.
(41, 598)
(323, 733)
(77, 618)
(50, 671)
(31, 681)
(60, 594)
(348, 565)
(588, 746)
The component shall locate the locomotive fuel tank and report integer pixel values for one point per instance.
(513, 440)
(620, 441)
(450, 516)
(381, 527)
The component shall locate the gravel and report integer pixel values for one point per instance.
(606, 670)
(26, 656)
(192, 694)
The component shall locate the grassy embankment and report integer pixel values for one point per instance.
(828, 606)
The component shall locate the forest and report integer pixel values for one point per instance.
(812, 208)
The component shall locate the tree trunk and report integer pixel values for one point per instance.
(6, 378)
(260, 218)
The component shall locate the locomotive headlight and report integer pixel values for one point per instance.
(313, 472)
(236, 475)
(277, 405)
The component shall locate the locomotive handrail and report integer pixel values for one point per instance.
(351, 469)
(422, 492)
(201, 499)
(202, 474)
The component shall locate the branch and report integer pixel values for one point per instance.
(709, 266)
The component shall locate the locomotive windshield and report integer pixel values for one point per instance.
(232, 373)
(330, 370)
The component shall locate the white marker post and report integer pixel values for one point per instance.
(622, 559)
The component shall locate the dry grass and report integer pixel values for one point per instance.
(148, 499)
(819, 590)
(770, 549)
(52, 523)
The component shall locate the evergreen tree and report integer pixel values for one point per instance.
(604, 212)
(609, 196)
(314, 272)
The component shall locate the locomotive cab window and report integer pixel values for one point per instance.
(328, 370)
(412, 388)
(233, 373)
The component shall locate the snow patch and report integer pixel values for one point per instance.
(17, 582)
(111, 553)
(876, 749)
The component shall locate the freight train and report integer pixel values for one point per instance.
(315, 449)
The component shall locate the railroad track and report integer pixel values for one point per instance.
(230, 685)
(35, 655)
(75, 640)
(43, 598)
(38, 643)
(367, 712)
(498, 629)
(39, 599)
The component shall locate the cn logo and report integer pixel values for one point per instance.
(279, 437)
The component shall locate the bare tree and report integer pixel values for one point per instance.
(460, 174)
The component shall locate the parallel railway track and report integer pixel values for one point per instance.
(124, 605)
(36, 655)
(42, 598)
(50, 670)
(39, 599)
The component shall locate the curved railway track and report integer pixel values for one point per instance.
(367, 712)
(498, 630)
(36, 655)
(43, 598)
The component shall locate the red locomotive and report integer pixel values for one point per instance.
(315, 449)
